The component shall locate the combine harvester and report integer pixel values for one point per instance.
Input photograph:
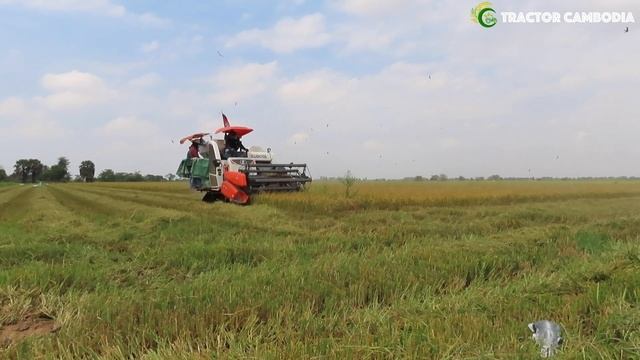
(232, 174)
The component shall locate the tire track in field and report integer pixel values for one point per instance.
(62, 215)
(85, 201)
(189, 207)
(42, 214)
(150, 199)
(78, 204)
(15, 205)
(7, 189)
(145, 187)
(234, 217)
(183, 204)
(156, 192)
(5, 192)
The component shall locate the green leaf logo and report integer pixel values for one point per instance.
(484, 14)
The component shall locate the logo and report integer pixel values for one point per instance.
(487, 17)
(484, 15)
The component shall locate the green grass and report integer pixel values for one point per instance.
(443, 271)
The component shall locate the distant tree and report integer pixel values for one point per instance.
(348, 181)
(3, 174)
(441, 177)
(22, 169)
(37, 169)
(494, 177)
(150, 177)
(87, 171)
(461, 178)
(107, 175)
(58, 172)
(28, 169)
(135, 177)
(418, 178)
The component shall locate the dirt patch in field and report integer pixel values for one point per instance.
(31, 325)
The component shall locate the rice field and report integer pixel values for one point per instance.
(451, 270)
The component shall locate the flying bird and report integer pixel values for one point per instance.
(626, 29)
(219, 53)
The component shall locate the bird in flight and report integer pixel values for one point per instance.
(219, 53)
(626, 29)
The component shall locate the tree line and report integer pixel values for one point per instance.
(33, 170)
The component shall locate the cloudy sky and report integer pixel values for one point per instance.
(385, 88)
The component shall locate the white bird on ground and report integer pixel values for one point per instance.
(548, 335)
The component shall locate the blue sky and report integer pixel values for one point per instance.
(383, 88)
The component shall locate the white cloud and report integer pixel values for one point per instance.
(150, 19)
(98, 7)
(150, 46)
(287, 35)
(581, 135)
(23, 120)
(105, 7)
(128, 126)
(74, 89)
(371, 7)
(321, 87)
(146, 80)
(373, 145)
(362, 38)
(298, 138)
(449, 143)
(73, 80)
(240, 82)
(39, 129)
(12, 106)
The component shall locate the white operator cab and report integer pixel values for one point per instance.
(218, 164)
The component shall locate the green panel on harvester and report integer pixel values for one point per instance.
(184, 170)
(200, 168)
